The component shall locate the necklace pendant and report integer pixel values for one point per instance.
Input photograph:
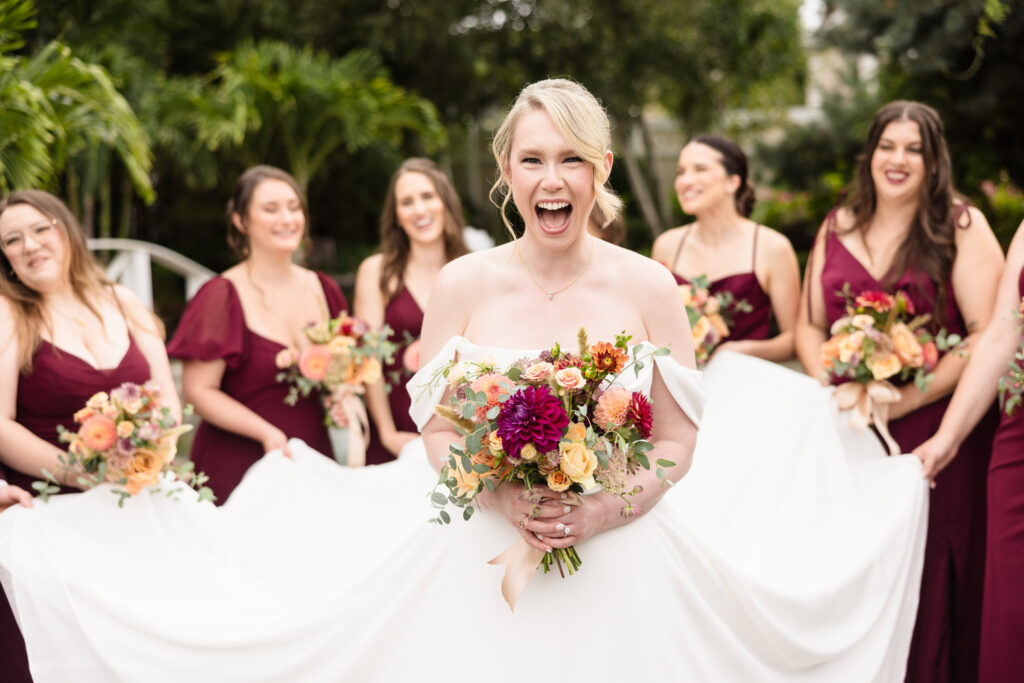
(551, 295)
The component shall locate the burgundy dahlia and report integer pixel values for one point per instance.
(533, 415)
(640, 414)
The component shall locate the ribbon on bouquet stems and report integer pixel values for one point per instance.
(348, 396)
(521, 561)
(869, 404)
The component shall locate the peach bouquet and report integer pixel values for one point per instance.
(1011, 385)
(878, 341)
(710, 316)
(126, 438)
(557, 422)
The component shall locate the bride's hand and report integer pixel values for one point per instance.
(580, 522)
(532, 512)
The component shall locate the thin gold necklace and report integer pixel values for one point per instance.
(551, 294)
(72, 318)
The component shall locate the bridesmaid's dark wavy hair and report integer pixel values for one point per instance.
(734, 161)
(394, 243)
(88, 281)
(241, 199)
(931, 242)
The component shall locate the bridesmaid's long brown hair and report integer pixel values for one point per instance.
(87, 279)
(394, 243)
(931, 242)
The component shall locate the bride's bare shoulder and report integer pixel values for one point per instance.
(478, 269)
(638, 271)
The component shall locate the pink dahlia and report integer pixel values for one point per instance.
(640, 414)
(531, 416)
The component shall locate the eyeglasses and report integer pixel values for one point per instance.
(13, 243)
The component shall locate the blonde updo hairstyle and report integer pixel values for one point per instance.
(581, 121)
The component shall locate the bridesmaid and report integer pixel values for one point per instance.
(237, 323)
(755, 263)
(420, 231)
(906, 229)
(66, 332)
(1002, 611)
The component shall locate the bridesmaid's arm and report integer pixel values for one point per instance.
(148, 337)
(370, 305)
(811, 323)
(976, 272)
(783, 288)
(977, 386)
(201, 385)
(20, 449)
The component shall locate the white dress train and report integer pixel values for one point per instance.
(792, 551)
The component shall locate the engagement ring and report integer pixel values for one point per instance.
(565, 531)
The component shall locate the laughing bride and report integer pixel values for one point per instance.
(789, 547)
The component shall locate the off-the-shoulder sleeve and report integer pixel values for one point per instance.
(685, 386)
(212, 326)
(336, 302)
(426, 388)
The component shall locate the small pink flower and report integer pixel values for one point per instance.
(931, 355)
(411, 356)
(314, 362)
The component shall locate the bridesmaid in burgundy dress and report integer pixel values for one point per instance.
(1002, 615)
(237, 323)
(905, 229)
(420, 231)
(755, 263)
(67, 332)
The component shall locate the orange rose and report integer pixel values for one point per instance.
(907, 347)
(850, 344)
(144, 470)
(559, 481)
(884, 366)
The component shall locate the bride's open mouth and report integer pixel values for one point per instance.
(553, 216)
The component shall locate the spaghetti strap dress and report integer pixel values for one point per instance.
(405, 318)
(947, 630)
(213, 328)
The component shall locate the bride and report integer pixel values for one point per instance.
(789, 548)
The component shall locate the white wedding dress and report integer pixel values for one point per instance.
(792, 551)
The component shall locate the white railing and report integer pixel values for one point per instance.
(132, 266)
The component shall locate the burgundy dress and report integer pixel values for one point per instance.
(1002, 624)
(58, 386)
(405, 318)
(757, 324)
(213, 328)
(947, 631)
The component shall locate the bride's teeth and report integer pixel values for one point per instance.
(552, 206)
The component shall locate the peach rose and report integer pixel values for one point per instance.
(850, 344)
(686, 294)
(700, 330)
(719, 324)
(578, 462)
(144, 470)
(907, 347)
(314, 361)
(559, 481)
(570, 379)
(884, 366)
(576, 432)
(366, 371)
(285, 358)
(131, 406)
(341, 345)
(98, 433)
(411, 356)
(98, 400)
(125, 428)
(538, 372)
(862, 321)
(84, 414)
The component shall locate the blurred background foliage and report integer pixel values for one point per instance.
(142, 114)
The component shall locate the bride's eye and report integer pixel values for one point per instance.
(574, 160)
(530, 160)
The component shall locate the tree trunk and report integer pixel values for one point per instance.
(124, 229)
(648, 207)
(657, 181)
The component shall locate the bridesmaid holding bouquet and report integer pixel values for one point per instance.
(906, 229)
(66, 333)
(233, 330)
(756, 264)
(420, 231)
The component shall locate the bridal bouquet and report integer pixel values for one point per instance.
(1011, 385)
(126, 438)
(710, 315)
(343, 356)
(880, 339)
(558, 420)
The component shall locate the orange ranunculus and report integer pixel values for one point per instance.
(907, 347)
(98, 433)
(144, 470)
(314, 361)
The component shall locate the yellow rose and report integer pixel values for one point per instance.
(576, 432)
(884, 366)
(907, 347)
(125, 429)
(850, 344)
(559, 481)
(579, 462)
(528, 452)
(144, 470)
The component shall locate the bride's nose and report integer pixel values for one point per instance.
(552, 178)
